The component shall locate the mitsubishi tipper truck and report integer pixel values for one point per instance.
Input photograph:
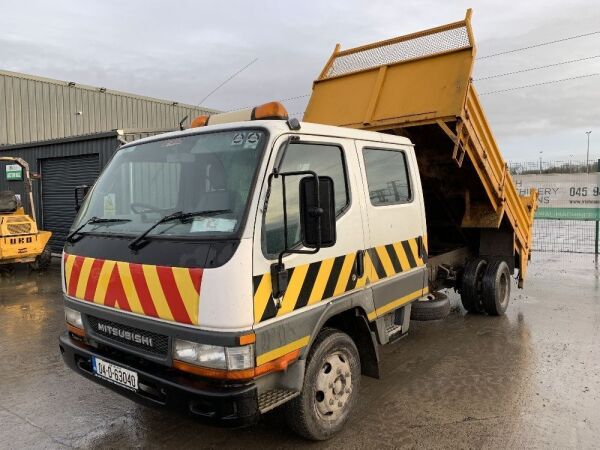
(255, 261)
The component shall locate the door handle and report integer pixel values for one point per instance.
(360, 264)
(421, 248)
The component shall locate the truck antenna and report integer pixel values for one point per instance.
(227, 80)
(181, 127)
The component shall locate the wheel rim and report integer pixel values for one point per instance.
(503, 290)
(333, 387)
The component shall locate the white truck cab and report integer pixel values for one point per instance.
(208, 268)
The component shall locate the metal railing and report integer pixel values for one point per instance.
(548, 167)
(570, 236)
(568, 217)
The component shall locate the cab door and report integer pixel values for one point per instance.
(395, 255)
(331, 273)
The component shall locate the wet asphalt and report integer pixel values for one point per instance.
(530, 379)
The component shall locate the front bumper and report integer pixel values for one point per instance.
(222, 405)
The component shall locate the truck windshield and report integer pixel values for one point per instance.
(210, 172)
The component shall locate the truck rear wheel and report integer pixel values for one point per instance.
(471, 285)
(496, 288)
(330, 391)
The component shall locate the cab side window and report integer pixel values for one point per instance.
(387, 176)
(325, 160)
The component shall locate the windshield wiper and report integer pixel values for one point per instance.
(179, 215)
(91, 221)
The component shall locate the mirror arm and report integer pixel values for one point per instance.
(280, 156)
(277, 167)
(278, 272)
(286, 250)
(84, 189)
(285, 221)
(77, 206)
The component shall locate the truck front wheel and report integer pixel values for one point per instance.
(496, 288)
(330, 391)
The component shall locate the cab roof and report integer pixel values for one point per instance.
(279, 127)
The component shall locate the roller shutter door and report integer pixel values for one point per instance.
(60, 176)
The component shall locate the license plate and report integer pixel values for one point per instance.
(115, 374)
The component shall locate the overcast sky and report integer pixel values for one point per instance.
(181, 50)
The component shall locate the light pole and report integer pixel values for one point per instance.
(587, 156)
(541, 151)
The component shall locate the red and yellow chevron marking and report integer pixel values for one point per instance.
(170, 293)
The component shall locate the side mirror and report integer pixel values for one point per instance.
(317, 223)
(317, 217)
(80, 193)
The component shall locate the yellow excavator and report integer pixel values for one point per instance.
(20, 239)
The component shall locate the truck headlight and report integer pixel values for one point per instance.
(214, 356)
(73, 318)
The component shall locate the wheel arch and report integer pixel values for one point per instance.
(352, 320)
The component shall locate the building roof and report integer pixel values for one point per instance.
(37, 109)
(124, 136)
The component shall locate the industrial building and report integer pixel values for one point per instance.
(38, 109)
(67, 133)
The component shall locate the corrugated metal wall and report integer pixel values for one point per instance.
(104, 145)
(60, 177)
(35, 109)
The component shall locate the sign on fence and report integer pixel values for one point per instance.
(573, 196)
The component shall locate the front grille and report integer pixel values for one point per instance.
(155, 343)
(19, 228)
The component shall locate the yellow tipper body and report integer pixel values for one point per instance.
(419, 86)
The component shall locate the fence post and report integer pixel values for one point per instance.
(597, 230)
(597, 213)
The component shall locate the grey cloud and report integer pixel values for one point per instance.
(180, 51)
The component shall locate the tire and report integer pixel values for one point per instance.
(471, 285)
(496, 288)
(43, 260)
(435, 308)
(331, 385)
(7, 269)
